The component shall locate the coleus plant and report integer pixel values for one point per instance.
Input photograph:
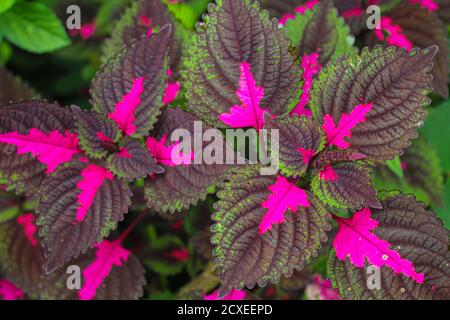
(339, 114)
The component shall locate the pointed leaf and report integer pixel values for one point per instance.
(25, 128)
(237, 32)
(134, 161)
(80, 204)
(244, 257)
(13, 89)
(395, 81)
(405, 226)
(345, 185)
(321, 30)
(129, 89)
(184, 184)
(97, 133)
(300, 140)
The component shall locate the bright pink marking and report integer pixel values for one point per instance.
(309, 5)
(124, 111)
(284, 196)
(356, 12)
(427, 4)
(171, 155)
(233, 295)
(395, 35)
(101, 136)
(9, 291)
(307, 154)
(285, 17)
(404, 166)
(311, 66)
(150, 32)
(145, 21)
(249, 114)
(87, 30)
(356, 241)
(108, 254)
(336, 135)
(92, 179)
(179, 254)
(30, 229)
(123, 153)
(321, 289)
(328, 174)
(51, 149)
(172, 90)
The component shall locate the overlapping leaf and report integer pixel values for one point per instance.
(424, 29)
(22, 263)
(300, 140)
(236, 32)
(321, 30)
(130, 87)
(407, 225)
(80, 204)
(134, 161)
(24, 171)
(395, 81)
(345, 185)
(13, 89)
(243, 256)
(98, 134)
(183, 185)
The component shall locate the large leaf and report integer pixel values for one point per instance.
(395, 81)
(406, 225)
(243, 256)
(80, 204)
(237, 32)
(345, 185)
(300, 140)
(424, 29)
(183, 185)
(130, 87)
(13, 89)
(22, 262)
(33, 27)
(25, 160)
(321, 30)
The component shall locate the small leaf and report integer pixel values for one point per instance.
(33, 27)
(237, 32)
(321, 30)
(345, 185)
(403, 229)
(396, 166)
(24, 162)
(130, 88)
(244, 257)
(300, 140)
(13, 89)
(134, 161)
(97, 133)
(395, 81)
(80, 204)
(168, 154)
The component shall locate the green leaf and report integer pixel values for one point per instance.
(321, 29)
(187, 12)
(444, 213)
(33, 27)
(5, 5)
(396, 166)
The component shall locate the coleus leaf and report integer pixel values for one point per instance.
(300, 140)
(22, 262)
(9, 291)
(237, 32)
(395, 81)
(412, 265)
(243, 256)
(98, 135)
(422, 28)
(134, 161)
(321, 30)
(129, 89)
(80, 204)
(184, 184)
(13, 89)
(35, 137)
(345, 185)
